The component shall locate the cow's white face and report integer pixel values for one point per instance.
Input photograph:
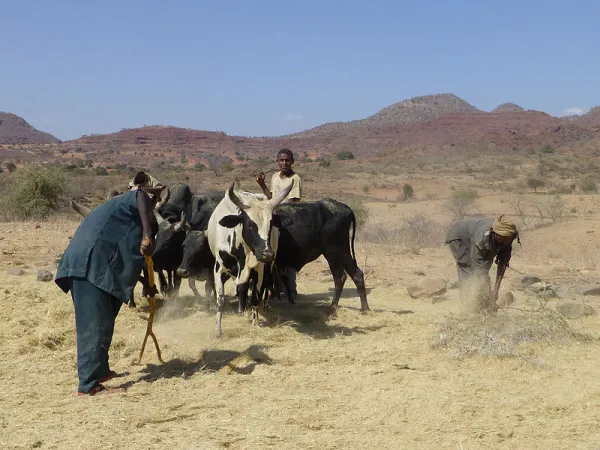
(257, 221)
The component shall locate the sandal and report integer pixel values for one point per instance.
(101, 390)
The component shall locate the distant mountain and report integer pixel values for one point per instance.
(434, 124)
(508, 107)
(413, 110)
(15, 130)
(590, 120)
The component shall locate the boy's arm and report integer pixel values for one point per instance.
(260, 179)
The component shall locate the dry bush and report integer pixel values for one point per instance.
(519, 206)
(502, 335)
(461, 204)
(34, 193)
(419, 231)
(552, 207)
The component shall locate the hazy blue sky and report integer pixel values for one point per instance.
(265, 67)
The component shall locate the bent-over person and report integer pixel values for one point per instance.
(100, 268)
(475, 242)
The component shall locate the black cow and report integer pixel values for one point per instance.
(309, 230)
(312, 229)
(182, 213)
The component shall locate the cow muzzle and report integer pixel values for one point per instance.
(183, 273)
(266, 256)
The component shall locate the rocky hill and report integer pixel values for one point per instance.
(413, 110)
(15, 130)
(508, 107)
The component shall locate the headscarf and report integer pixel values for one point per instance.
(147, 183)
(504, 226)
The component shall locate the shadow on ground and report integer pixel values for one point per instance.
(210, 361)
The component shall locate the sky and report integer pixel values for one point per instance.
(266, 68)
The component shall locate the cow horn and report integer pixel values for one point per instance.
(160, 219)
(234, 198)
(181, 225)
(83, 210)
(163, 199)
(282, 195)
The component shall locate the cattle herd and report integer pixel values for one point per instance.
(245, 236)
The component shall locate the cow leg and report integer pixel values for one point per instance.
(144, 280)
(275, 283)
(192, 283)
(220, 279)
(254, 300)
(339, 278)
(358, 277)
(131, 302)
(176, 283)
(242, 295)
(164, 286)
(209, 288)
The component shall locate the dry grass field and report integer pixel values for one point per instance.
(411, 373)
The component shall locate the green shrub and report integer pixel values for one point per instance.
(11, 167)
(101, 171)
(588, 186)
(345, 155)
(407, 191)
(34, 193)
(547, 149)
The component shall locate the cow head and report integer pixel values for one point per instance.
(170, 236)
(196, 254)
(257, 220)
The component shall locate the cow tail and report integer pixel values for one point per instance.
(353, 235)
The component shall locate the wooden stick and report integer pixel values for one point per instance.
(149, 332)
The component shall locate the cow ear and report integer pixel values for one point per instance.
(231, 221)
(281, 221)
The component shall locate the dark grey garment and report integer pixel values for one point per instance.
(473, 246)
(474, 249)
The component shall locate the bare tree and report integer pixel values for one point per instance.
(519, 205)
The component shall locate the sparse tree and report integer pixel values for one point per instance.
(534, 184)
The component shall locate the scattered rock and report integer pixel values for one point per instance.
(546, 289)
(6, 252)
(588, 289)
(438, 299)
(568, 293)
(426, 288)
(37, 225)
(523, 281)
(506, 300)
(420, 273)
(575, 310)
(452, 285)
(16, 272)
(44, 275)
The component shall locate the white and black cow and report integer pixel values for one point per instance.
(242, 235)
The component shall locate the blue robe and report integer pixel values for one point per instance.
(105, 250)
